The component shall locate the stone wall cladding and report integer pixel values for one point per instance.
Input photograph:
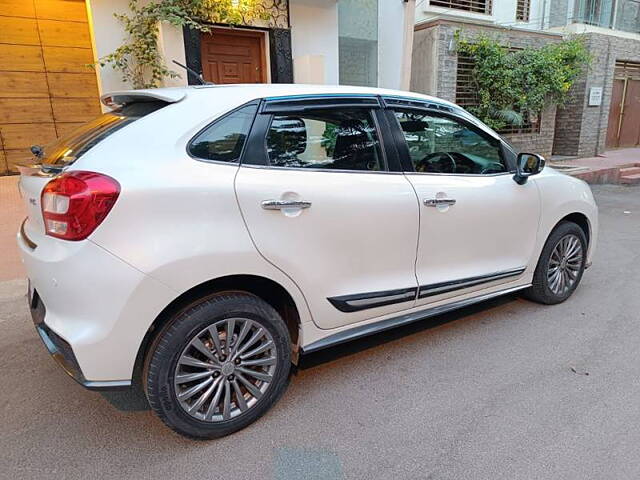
(582, 130)
(444, 59)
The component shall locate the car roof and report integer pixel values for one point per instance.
(270, 90)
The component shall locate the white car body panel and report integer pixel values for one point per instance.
(351, 240)
(491, 229)
(178, 223)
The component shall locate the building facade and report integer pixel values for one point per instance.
(46, 46)
(603, 109)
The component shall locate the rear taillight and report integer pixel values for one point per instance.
(75, 203)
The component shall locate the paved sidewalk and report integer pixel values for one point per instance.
(12, 212)
(602, 169)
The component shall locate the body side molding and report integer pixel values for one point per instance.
(372, 328)
(363, 301)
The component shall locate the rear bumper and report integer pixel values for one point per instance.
(61, 351)
(91, 309)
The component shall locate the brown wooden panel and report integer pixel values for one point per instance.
(21, 58)
(23, 84)
(233, 56)
(64, 34)
(614, 113)
(17, 8)
(67, 59)
(630, 130)
(3, 163)
(64, 128)
(73, 85)
(23, 135)
(25, 110)
(75, 109)
(71, 10)
(18, 157)
(19, 31)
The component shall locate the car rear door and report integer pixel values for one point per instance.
(478, 227)
(326, 203)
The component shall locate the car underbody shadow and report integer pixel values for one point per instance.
(356, 346)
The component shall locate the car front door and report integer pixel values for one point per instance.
(326, 203)
(477, 226)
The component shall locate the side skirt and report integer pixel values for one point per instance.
(372, 328)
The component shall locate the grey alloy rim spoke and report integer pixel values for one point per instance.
(226, 409)
(190, 377)
(259, 375)
(565, 263)
(253, 390)
(225, 369)
(254, 338)
(231, 324)
(242, 403)
(190, 392)
(257, 350)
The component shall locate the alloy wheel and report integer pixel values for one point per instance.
(565, 264)
(225, 369)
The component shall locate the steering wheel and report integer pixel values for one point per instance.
(437, 162)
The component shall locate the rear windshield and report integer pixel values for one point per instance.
(68, 149)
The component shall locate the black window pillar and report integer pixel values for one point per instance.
(192, 54)
(280, 54)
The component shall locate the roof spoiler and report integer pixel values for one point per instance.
(119, 99)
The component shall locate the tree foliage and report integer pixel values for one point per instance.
(139, 58)
(510, 85)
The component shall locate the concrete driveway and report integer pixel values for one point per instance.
(504, 390)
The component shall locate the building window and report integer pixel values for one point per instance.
(523, 9)
(475, 6)
(466, 97)
(358, 42)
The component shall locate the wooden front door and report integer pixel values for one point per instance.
(624, 115)
(233, 56)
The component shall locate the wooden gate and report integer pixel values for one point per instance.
(46, 88)
(624, 114)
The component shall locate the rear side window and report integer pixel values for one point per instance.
(224, 139)
(66, 150)
(337, 139)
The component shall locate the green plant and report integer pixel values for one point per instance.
(139, 59)
(510, 85)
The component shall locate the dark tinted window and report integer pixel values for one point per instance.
(71, 147)
(439, 144)
(339, 139)
(223, 140)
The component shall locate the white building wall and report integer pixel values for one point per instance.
(107, 35)
(314, 41)
(391, 39)
(503, 13)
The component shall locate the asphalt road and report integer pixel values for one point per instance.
(504, 390)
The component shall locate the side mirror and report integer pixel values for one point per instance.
(528, 164)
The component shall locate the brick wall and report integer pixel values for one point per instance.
(434, 51)
(581, 130)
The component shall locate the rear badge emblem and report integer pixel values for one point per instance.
(32, 201)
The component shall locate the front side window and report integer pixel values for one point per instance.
(223, 140)
(439, 144)
(325, 139)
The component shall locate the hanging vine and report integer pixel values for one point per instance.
(139, 59)
(509, 84)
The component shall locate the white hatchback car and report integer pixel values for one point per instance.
(205, 237)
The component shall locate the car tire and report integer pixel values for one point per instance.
(560, 266)
(185, 348)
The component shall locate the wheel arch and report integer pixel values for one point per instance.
(579, 219)
(267, 289)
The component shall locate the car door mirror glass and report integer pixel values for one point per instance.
(528, 164)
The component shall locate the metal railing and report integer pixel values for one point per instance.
(623, 15)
